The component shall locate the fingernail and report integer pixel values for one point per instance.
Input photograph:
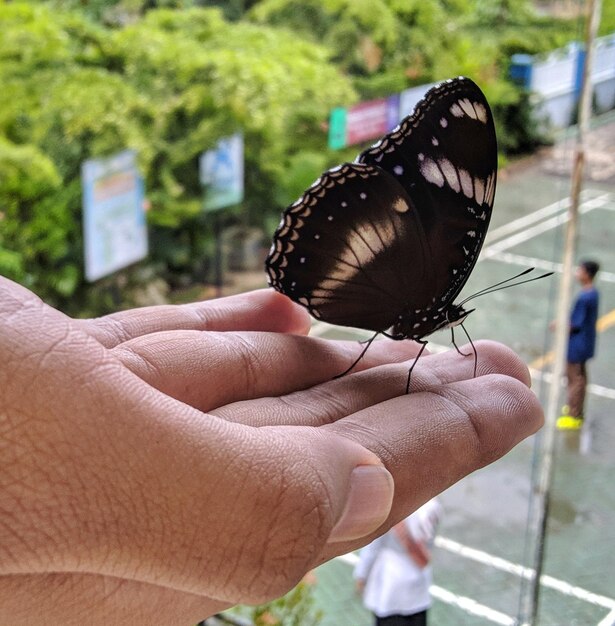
(368, 504)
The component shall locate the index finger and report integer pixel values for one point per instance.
(261, 310)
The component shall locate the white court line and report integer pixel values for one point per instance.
(609, 620)
(536, 216)
(529, 233)
(597, 390)
(484, 558)
(541, 264)
(448, 597)
(525, 572)
(350, 558)
(471, 606)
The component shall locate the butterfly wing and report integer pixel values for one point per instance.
(351, 248)
(445, 156)
(391, 239)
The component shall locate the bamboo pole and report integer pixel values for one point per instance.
(563, 308)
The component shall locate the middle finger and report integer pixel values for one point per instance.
(335, 399)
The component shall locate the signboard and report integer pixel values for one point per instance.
(370, 120)
(221, 172)
(114, 226)
(363, 122)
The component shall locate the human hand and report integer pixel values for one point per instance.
(154, 473)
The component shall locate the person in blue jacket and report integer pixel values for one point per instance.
(581, 344)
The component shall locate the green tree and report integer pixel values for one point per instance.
(168, 87)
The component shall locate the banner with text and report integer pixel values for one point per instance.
(114, 226)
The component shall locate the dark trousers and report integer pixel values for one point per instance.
(577, 382)
(418, 619)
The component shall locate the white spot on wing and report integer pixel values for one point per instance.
(467, 107)
(456, 110)
(398, 169)
(450, 173)
(431, 172)
(400, 205)
(466, 183)
(479, 190)
(362, 245)
(481, 111)
(490, 191)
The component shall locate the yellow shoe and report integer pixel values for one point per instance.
(567, 422)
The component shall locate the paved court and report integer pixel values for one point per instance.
(484, 549)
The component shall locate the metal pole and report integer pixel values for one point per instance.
(564, 302)
(218, 280)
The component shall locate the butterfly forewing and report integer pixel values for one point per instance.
(445, 156)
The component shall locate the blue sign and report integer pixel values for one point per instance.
(221, 172)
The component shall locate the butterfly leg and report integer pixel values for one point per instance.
(454, 344)
(367, 343)
(473, 348)
(416, 358)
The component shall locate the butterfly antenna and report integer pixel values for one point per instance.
(367, 344)
(502, 284)
(416, 358)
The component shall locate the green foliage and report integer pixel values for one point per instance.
(607, 21)
(398, 43)
(26, 230)
(367, 36)
(296, 608)
(168, 86)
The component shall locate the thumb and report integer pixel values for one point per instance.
(364, 496)
(307, 490)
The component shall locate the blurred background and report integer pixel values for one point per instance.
(147, 148)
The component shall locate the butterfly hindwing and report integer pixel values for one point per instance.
(350, 248)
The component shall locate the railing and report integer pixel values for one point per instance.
(555, 79)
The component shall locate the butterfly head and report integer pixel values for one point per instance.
(455, 315)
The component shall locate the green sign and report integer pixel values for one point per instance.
(337, 128)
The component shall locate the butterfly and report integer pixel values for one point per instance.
(386, 243)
